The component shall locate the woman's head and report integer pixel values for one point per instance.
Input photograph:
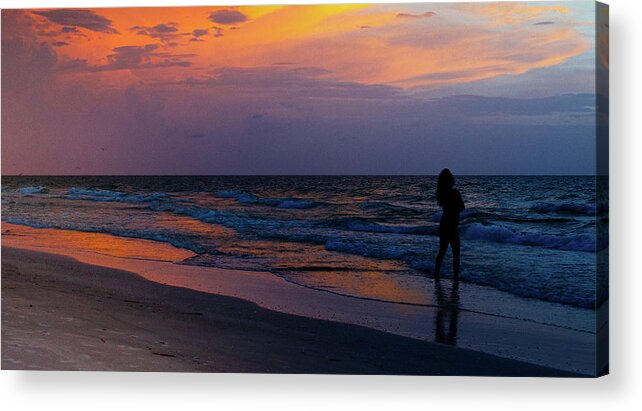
(445, 182)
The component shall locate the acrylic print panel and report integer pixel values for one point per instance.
(349, 189)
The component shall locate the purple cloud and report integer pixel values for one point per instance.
(200, 32)
(218, 31)
(164, 28)
(228, 17)
(163, 31)
(132, 58)
(86, 19)
(427, 14)
(543, 23)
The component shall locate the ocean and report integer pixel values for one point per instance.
(529, 243)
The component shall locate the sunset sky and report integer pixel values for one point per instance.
(483, 88)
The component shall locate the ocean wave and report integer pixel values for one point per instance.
(565, 207)
(320, 233)
(530, 287)
(363, 225)
(499, 279)
(467, 214)
(409, 198)
(370, 249)
(314, 232)
(297, 203)
(97, 192)
(111, 196)
(239, 222)
(539, 220)
(32, 190)
(387, 208)
(499, 234)
(287, 202)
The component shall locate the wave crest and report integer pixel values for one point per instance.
(32, 190)
(566, 207)
(287, 202)
(499, 234)
(111, 196)
(363, 225)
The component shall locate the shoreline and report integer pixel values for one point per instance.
(58, 313)
(515, 339)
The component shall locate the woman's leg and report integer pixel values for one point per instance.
(443, 247)
(455, 244)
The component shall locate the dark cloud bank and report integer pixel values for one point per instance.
(86, 19)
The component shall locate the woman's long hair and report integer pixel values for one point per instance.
(445, 183)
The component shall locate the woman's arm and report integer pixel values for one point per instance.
(459, 202)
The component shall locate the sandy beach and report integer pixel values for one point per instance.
(61, 314)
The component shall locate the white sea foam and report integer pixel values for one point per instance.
(32, 190)
(112, 196)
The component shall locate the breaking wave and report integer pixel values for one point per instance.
(111, 196)
(288, 202)
(499, 234)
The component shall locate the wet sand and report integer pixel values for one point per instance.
(61, 314)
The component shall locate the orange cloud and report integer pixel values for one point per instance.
(404, 47)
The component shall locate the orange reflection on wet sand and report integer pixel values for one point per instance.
(373, 284)
(95, 242)
(347, 278)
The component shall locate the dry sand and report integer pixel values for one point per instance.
(60, 314)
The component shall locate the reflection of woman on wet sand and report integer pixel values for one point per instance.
(451, 203)
(447, 311)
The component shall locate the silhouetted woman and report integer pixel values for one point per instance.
(451, 203)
